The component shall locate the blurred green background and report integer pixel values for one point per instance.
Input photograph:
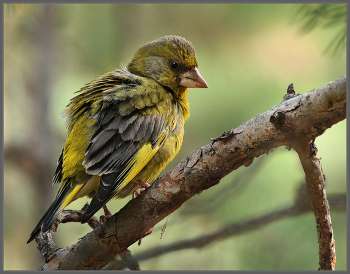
(248, 54)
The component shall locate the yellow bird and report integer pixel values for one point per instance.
(125, 127)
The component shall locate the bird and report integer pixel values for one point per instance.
(124, 127)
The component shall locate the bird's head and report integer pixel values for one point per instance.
(171, 61)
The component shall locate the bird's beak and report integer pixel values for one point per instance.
(192, 79)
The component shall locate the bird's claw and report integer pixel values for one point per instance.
(139, 190)
(107, 215)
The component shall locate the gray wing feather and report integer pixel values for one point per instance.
(140, 135)
(150, 128)
(114, 144)
(157, 128)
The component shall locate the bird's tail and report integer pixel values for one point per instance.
(63, 198)
(102, 196)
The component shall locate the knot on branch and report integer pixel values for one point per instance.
(313, 148)
(290, 92)
(278, 118)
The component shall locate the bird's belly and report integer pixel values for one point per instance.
(161, 159)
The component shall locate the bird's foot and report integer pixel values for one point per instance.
(139, 190)
(107, 215)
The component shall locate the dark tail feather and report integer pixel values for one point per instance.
(50, 215)
(102, 196)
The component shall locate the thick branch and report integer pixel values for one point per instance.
(306, 116)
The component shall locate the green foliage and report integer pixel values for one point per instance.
(324, 16)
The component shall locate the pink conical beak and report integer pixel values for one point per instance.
(193, 79)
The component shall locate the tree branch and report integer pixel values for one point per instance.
(304, 117)
(315, 181)
(300, 206)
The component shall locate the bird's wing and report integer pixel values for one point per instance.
(58, 173)
(136, 120)
(117, 141)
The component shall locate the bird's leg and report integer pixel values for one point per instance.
(107, 212)
(139, 190)
(107, 215)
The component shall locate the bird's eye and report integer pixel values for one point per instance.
(174, 65)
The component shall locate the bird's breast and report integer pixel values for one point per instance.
(168, 150)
